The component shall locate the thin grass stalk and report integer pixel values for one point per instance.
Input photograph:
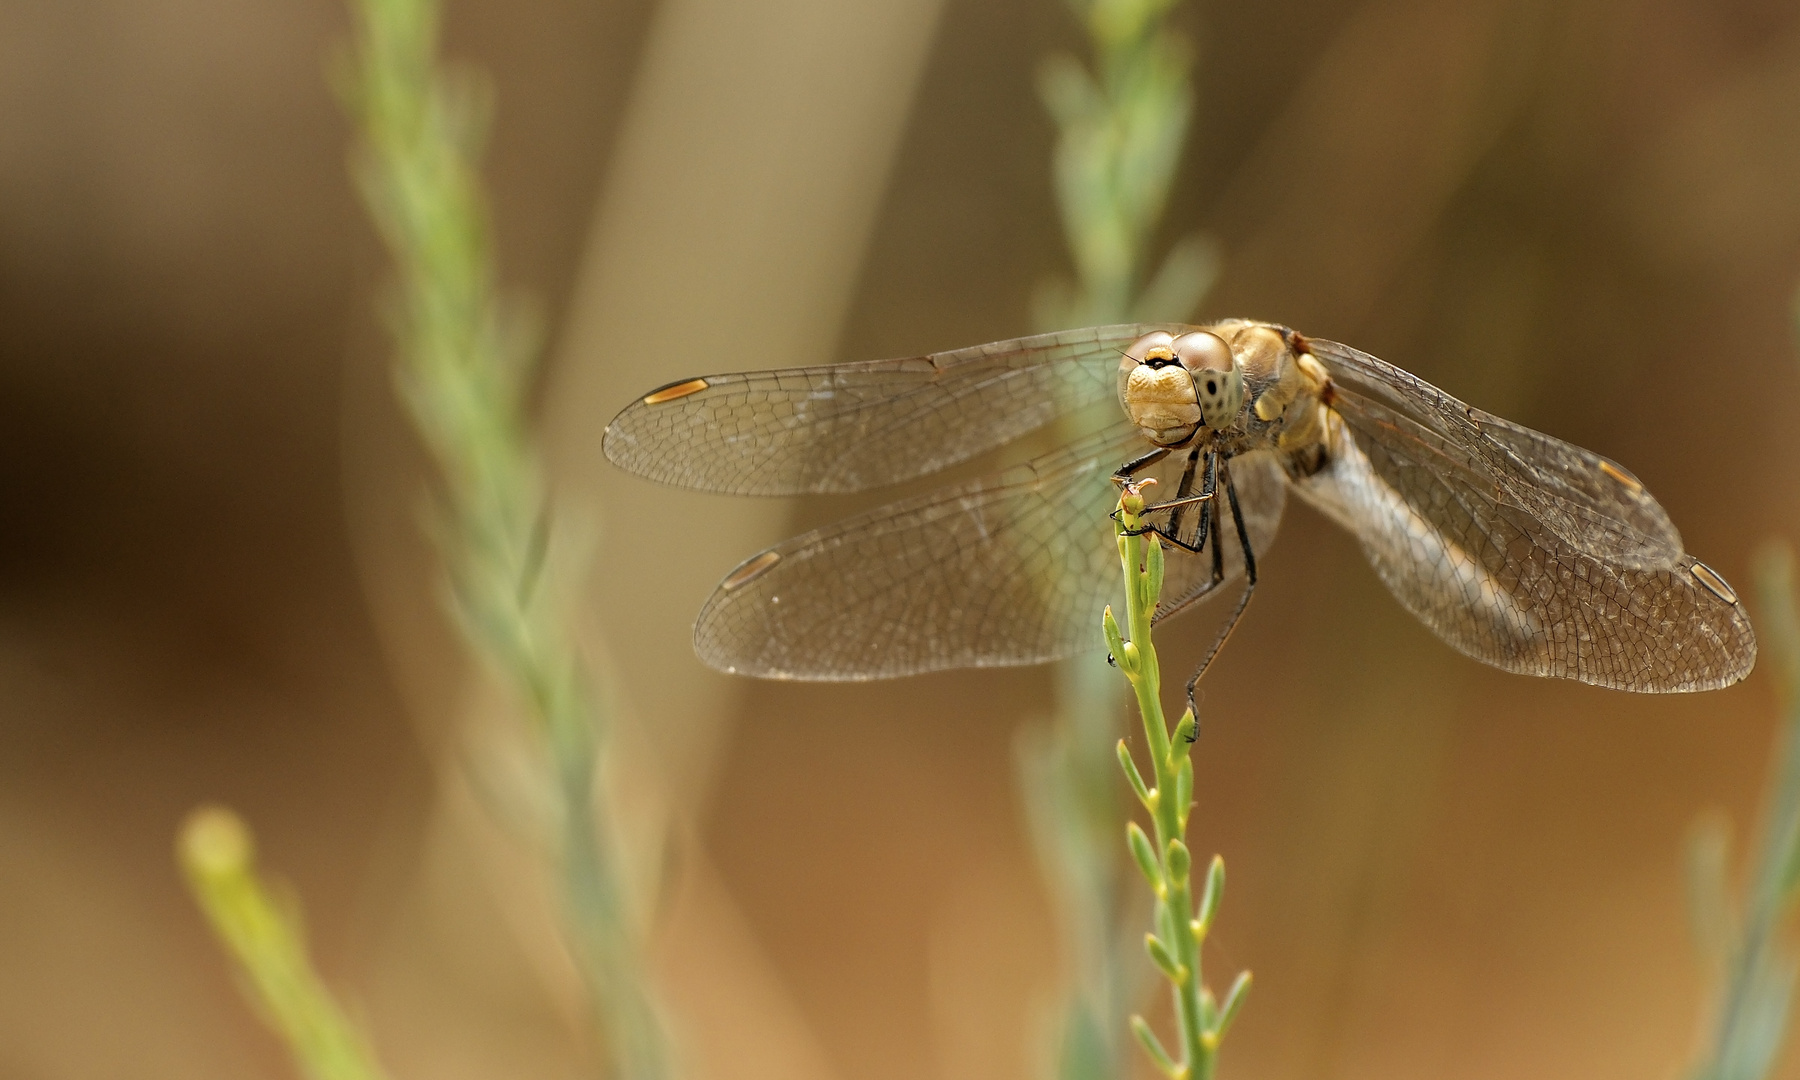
(268, 943)
(1758, 967)
(463, 366)
(1182, 921)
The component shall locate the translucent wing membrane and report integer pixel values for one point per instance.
(846, 427)
(1490, 574)
(1591, 504)
(1013, 568)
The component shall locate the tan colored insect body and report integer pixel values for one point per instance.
(1248, 385)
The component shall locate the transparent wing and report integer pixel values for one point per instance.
(846, 427)
(1493, 579)
(1594, 505)
(1013, 568)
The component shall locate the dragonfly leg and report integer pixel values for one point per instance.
(1243, 536)
(1139, 464)
(1184, 491)
(1125, 472)
(1210, 487)
(1206, 498)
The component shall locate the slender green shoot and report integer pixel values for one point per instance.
(464, 363)
(1121, 124)
(1757, 968)
(1182, 920)
(265, 938)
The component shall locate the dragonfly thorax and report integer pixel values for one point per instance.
(1172, 386)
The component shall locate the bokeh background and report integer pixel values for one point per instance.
(1584, 215)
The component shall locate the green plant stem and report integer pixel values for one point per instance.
(217, 856)
(1181, 924)
(1121, 124)
(1169, 818)
(463, 369)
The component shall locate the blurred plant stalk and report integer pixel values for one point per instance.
(1756, 965)
(464, 363)
(1120, 133)
(1121, 129)
(1181, 923)
(218, 857)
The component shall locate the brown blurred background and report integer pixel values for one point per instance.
(1583, 215)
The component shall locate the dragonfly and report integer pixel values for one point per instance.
(1516, 548)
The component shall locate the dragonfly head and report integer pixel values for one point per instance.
(1171, 386)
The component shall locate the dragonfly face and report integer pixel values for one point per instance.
(1170, 386)
(1516, 548)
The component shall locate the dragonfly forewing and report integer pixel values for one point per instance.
(848, 427)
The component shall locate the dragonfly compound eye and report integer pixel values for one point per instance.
(1152, 349)
(1218, 381)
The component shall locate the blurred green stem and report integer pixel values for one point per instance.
(1181, 925)
(1758, 968)
(464, 366)
(217, 856)
(1120, 133)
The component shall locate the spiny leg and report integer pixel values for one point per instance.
(1125, 472)
(1122, 476)
(1210, 488)
(1208, 504)
(1182, 491)
(1138, 464)
(1243, 535)
(1184, 497)
(1206, 499)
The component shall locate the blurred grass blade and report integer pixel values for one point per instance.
(463, 360)
(1755, 997)
(1709, 895)
(217, 856)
